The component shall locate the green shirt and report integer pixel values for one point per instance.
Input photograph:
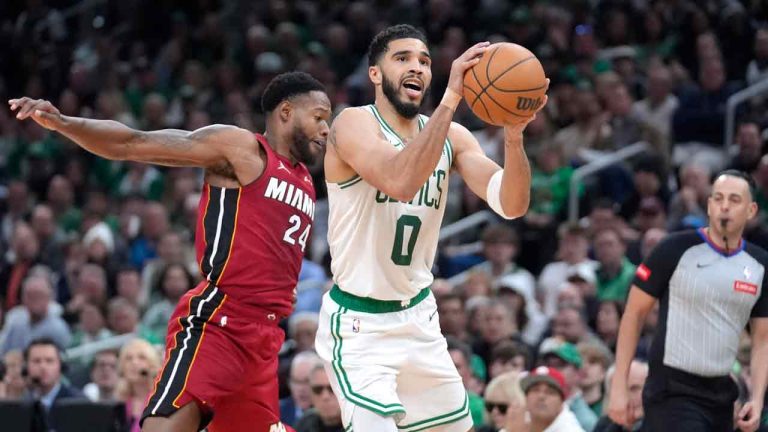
(476, 409)
(549, 191)
(615, 288)
(597, 408)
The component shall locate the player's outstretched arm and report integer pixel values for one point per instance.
(205, 147)
(358, 141)
(506, 191)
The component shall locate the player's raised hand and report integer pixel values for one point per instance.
(465, 61)
(517, 123)
(40, 110)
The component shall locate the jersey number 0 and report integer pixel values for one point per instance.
(405, 239)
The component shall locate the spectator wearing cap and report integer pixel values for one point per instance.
(615, 271)
(566, 359)
(503, 391)
(572, 255)
(545, 390)
(596, 361)
(516, 291)
(501, 245)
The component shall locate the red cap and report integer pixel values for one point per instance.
(544, 374)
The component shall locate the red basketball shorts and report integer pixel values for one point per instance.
(223, 357)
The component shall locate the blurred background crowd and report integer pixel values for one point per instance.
(93, 249)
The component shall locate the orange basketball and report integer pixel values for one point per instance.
(506, 84)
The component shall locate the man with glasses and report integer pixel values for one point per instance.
(325, 416)
(103, 376)
(300, 400)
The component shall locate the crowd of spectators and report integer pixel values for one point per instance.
(93, 249)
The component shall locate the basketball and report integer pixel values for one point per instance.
(507, 83)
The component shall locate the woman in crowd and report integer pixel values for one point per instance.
(137, 366)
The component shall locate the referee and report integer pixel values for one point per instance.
(708, 282)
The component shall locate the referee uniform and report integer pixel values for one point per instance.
(706, 296)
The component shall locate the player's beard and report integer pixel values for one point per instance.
(301, 150)
(406, 109)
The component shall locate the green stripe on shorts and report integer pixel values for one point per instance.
(439, 420)
(341, 375)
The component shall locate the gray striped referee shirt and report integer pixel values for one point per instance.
(706, 296)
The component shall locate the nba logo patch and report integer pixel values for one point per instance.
(747, 273)
(356, 325)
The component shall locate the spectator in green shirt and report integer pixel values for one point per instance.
(550, 181)
(461, 355)
(614, 272)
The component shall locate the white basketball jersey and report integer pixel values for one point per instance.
(382, 248)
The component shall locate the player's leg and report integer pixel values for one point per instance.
(362, 362)
(198, 368)
(430, 386)
(255, 406)
(186, 419)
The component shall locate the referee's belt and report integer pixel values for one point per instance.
(372, 305)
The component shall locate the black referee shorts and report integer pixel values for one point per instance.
(676, 401)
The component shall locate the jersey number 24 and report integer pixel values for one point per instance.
(288, 237)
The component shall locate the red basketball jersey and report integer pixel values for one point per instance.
(250, 240)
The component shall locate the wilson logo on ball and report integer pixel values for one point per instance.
(528, 104)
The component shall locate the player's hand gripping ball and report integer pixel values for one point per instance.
(507, 85)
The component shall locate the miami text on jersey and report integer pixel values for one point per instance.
(287, 193)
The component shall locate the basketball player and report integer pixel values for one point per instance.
(387, 171)
(254, 219)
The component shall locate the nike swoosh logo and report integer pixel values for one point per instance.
(432, 315)
(700, 265)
